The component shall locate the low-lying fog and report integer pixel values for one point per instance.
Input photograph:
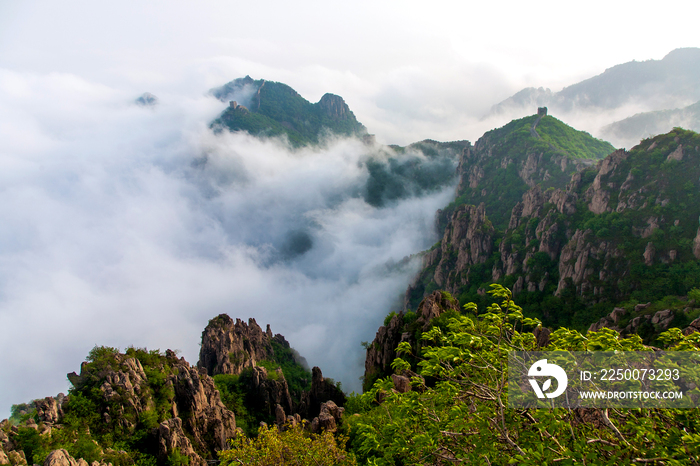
(134, 225)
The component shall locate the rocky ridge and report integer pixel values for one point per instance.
(168, 409)
(236, 348)
(588, 241)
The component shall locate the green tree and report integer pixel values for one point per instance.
(291, 447)
(458, 414)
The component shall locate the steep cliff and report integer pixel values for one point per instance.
(623, 230)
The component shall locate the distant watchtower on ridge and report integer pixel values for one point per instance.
(542, 111)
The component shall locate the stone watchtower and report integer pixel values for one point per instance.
(542, 111)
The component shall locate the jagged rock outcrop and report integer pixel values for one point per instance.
(434, 305)
(122, 382)
(599, 192)
(328, 418)
(583, 259)
(197, 400)
(468, 240)
(402, 384)
(228, 347)
(234, 347)
(610, 321)
(267, 390)
(194, 400)
(50, 409)
(382, 352)
(693, 327)
(663, 319)
(172, 438)
(322, 390)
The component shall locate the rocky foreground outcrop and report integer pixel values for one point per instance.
(239, 348)
(382, 351)
(200, 423)
(171, 411)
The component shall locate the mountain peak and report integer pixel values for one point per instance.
(683, 54)
(333, 106)
(275, 109)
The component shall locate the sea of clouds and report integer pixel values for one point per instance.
(134, 225)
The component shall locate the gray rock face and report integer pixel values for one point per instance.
(676, 154)
(328, 418)
(649, 254)
(266, 391)
(50, 409)
(402, 384)
(574, 260)
(195, 399)
(172, 438)
(334, 107)
(63, 458)
(207, 420)
(599, 192)
(228, 347)
(468, 240)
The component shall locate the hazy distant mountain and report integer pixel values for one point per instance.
(644, 125)
(652, 84)
(146, 100)
(268, 108)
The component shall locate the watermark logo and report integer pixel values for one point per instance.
(544, 370)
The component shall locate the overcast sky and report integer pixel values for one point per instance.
(109, 236)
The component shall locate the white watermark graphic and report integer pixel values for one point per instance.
(542, 369)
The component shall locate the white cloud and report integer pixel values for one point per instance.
(127, 225)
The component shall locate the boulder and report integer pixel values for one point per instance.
(663, 318)
(693, 327)
(328, 418)
(402, 384)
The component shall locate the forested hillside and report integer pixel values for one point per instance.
(274, 109)
(620, 233)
